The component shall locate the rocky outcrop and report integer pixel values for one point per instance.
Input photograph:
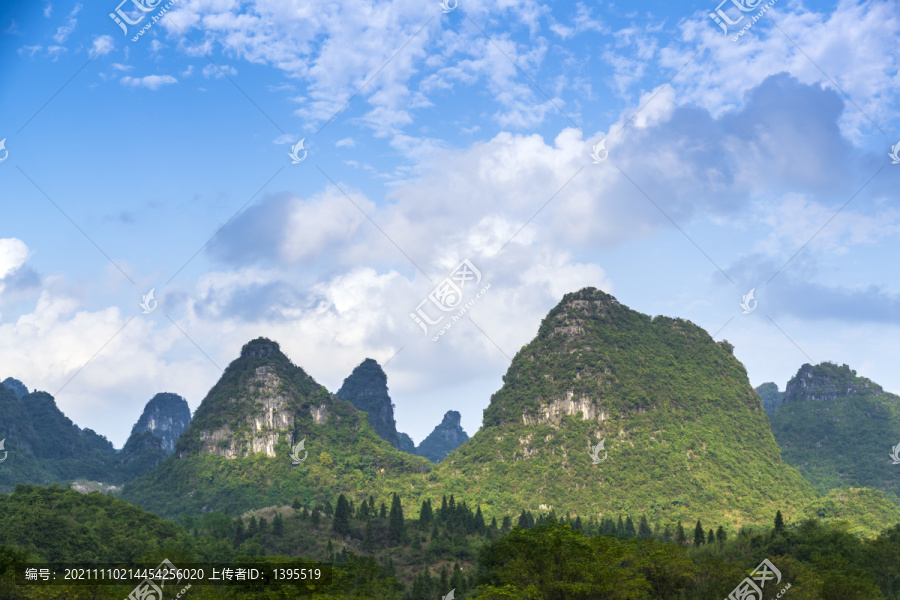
(826, 382)
(166, 416)
(446, 437)
(771, 398)
(270, 420)
(17, 387)
(366, 389)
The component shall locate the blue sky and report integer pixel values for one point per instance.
(162, 162)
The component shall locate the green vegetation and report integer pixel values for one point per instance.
(837, 429)
(447, 547)
(771, 397)
(45, 446)
(444, 439)
(345, 454)
(366, 389)
(684, 431)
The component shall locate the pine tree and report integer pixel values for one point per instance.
(620, 528)
(479, 521)
(252, 527)
(426, 516)
(644, 531)
(341, 523)
(263, 525)
(314, 518)
(328, 509)
(779, 522)
(382, 512)
(680, 537)
(493, 523)
(507, 524)
(435, 532)
(720, 535)
(667, 534)
(329, 551)
(395, 522)
(526, 520)
(710, 536)
(369, 537)
(698, 534)
(458, 580)
(238, 535)
(577, 525)
(608, 527)
(444, 584)
(278, 525)
(629, 528)
(296, 504)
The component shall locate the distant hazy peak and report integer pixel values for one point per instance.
(16, 386)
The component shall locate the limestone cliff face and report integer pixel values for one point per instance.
(258, 407)
(256, 414)
(270, 420)
(165, 416)
(551, 413)
(826, 381)
(839, 429)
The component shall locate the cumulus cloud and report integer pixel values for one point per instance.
(63, 32)
(102, 45)
(13, 254)
(151, 82)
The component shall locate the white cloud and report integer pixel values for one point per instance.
(102, 45)
(151, 82)
(63, 32)
(346, 142)
(31, 50)
(848, 44)
(13, 254)
(218, 71)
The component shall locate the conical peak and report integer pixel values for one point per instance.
(451, 417)
(369, 367)
(260, 347)
(827, 381)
